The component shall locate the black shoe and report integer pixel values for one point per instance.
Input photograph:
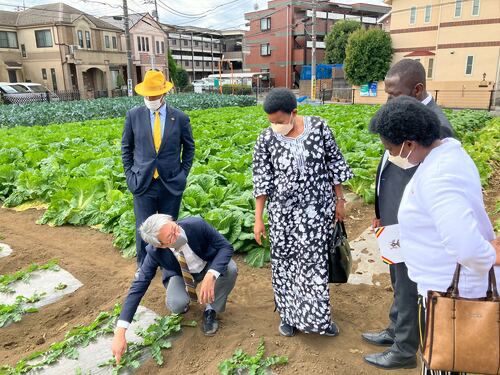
(378, 338)
(286, 330)
(333, 330)
(391, 360)
(210, 323)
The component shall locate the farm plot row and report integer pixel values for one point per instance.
(76, 170)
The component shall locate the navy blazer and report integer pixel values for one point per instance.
(203, 239)
(139, 155)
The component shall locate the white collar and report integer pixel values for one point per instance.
(427, 100)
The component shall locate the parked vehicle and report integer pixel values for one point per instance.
(38, 88)
(25, 92)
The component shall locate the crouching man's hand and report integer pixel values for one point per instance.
(119, 344)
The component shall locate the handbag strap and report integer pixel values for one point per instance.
(453, 289)
(492, 293)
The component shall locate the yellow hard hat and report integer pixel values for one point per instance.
(154, 84)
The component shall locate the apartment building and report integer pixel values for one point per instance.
(200, 51)
(457, 41)
(279, 39)
(61, 47)
(149, 43)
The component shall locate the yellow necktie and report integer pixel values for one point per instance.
(157, 138)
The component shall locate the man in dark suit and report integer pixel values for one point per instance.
(190, 252)
(407, 77)
(154, 138)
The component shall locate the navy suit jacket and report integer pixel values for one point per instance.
(203, 239)
(139, 155)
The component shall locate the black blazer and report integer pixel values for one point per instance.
(203, 239)
(446, 132)
(139, 155)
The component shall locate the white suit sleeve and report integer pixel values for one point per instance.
(449, 207)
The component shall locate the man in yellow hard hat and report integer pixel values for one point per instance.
(157, 153)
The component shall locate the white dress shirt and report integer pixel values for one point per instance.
(195, 265)
(443, 222)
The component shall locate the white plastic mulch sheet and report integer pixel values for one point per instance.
(5, 250)
(366, 255)
(99, 351)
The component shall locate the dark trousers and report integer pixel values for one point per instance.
(404, 312)
(156, 200)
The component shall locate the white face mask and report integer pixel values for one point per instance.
(282, 129)
(401, 162)
(153, 105)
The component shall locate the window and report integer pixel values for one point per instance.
(174, 42)
(186, 63)
(206, 45)
(265, 50)
(139, 43)
(428, 13)
(162, 48)
(113, 39)
(106, 41)
(469, 65)
(43, 38)
(196, 43)
(54, 79)
(44, 74)
(475, 7)
(23, 50)
(185, 42)
(430, 68)
(157, 47)
(207, 63)
(265, 24)
(80, 38)
(87, 39)
(413, 15)
(147, 44)
(458, 8)
(8, 39)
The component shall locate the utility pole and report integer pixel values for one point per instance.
(157, 14)
(313, 57)
(129, 48)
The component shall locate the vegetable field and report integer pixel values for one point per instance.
(75, 169)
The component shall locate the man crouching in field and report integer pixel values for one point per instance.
(191, 252)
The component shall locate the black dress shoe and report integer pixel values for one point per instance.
(286, 330)
(378, 338)
(333, 330)
(391, 360)
(210, 323)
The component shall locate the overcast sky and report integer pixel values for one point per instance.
(229, 15)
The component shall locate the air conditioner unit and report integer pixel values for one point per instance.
(73, 48)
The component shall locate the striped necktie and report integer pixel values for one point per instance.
(157, 138)
(186, 275)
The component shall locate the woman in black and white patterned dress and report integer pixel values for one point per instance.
(298, 169)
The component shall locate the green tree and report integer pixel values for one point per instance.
(336, 40)
(182, 78)
(368, 56)
(172, 68)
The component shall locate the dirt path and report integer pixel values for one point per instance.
(106, 276)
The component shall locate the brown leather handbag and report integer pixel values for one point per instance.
(463, 334)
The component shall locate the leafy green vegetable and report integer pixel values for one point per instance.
(82, 110)
(76, 168)
(15, 312)
(256, 365)
(24, 275)
(60, 286)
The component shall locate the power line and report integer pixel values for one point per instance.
(198, 14)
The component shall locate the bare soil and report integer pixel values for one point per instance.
(91, 258)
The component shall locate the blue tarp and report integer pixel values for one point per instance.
(323, 71)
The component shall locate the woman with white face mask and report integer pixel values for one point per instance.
(442, 218)
(298, 170)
